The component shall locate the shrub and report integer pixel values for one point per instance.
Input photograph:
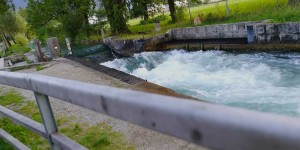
(21, 39)
(181, 12)
(39, 67)
(152, 20)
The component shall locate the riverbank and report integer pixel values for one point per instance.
(141, 138)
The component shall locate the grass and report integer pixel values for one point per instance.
(39, 67)
(10, 98)
(241, 11)
(16, 48)
(13, 100)
(100, 136)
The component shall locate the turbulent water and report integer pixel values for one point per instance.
(267, 82)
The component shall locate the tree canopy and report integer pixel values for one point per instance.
(70, 17)
(6, 5)
(8, 22)
(83, 18)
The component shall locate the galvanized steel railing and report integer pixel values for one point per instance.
(209, 125)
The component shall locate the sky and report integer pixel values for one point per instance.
(20, 3)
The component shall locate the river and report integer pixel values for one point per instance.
(268, 82)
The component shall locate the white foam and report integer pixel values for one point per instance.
(244, 80)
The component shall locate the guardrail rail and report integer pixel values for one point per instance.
(210, 125)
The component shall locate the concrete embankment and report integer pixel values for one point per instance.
(246, 36)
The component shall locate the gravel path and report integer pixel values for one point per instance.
(142, 138)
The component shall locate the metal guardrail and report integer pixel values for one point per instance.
(209, 125)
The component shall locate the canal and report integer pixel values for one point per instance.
(268, 82)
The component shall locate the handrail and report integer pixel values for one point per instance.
(38, 128)
(210, 125)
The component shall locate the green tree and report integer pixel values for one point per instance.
(116, 15)
(145, 8)
(7, 20)
(69, 17)
(139, 9)
(11, 24)
(101, 20)
(38, 16)
(6, 5)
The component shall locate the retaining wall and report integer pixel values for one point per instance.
(252, 32)
(277, 33)
(210, 32)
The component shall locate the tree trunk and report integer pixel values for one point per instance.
(8, 42)
(172, 10)
(27, 35)
(146, 15)
(5, 41)
(13, 38)
(87, 24)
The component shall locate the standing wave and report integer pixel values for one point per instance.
(261, 81)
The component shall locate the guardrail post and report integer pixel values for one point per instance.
(47, 117)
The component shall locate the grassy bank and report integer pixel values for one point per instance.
(100, 136)
(241, 11)
(16, 48)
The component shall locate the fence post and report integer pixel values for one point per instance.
(47, 117)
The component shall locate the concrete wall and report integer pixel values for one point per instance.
(125, 47)
(263, 33)
(210, 32)
(277, 33)
(154, 42)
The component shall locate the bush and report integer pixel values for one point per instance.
(17, 48)
(202, 17)
(21, 39)
(181, 12)
(39, 67)
(160, 18)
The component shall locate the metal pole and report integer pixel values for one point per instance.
(47, 117)
(144, 30)
(189, 6)
(228, 11)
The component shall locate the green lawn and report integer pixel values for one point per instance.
(100, 136)
(241, 11)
